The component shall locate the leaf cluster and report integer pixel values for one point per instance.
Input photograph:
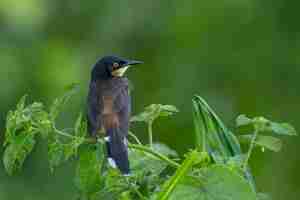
(215, 169)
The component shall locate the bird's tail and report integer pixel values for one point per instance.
(117, 150)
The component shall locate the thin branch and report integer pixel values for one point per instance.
(252, 144)
(150, 123)
(132, 146)
(154, 153)
(134, 137)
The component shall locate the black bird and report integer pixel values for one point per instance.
(109, 107)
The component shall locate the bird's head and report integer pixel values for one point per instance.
(112, 66)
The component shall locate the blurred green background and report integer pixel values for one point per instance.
(242, 56)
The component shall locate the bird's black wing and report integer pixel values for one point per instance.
(93, 109)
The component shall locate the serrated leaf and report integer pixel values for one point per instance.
(71, 148)
(89, 167)
(215, 183)
(30, 118)
(269, 142)
(243, 120)
(17, 151)
(55, 154)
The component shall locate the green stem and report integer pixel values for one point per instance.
(252, 144)
(63, 133)
(139, 194)
(134, 137)
(150, 134)
(180, 173)
(155, 154)
(132, 146)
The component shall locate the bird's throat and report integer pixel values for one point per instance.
(120, 72)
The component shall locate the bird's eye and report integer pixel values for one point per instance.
(115, 65)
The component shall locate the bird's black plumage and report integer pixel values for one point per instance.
(109, 107)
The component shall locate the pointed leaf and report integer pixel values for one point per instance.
(243, 120)
(17, 151)
(154, 111)
(269, 142)
(282, 128)
(55, 154)
(89, 167)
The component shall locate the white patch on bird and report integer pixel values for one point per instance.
(127, 175)
(107, 139)
(120, 72)
(125, 142)
(112, 162)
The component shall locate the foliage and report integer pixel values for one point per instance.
(216, 169)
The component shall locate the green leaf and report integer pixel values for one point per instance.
(71, 148)
(154, 111)
(243, 120)
(167, 110)
(262, 124)
(282, 128)
(263, 196)
(164, 149)
(58, 103)
(55, 153)
(80, 127)
(269, 142)
(21, 103)
(201, 129)
(214, 183)
(11, 126)
(89, 167)
(17, 151)
(215, 137)
(180, 173)
(141, 163)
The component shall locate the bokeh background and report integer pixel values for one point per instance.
(242, 56)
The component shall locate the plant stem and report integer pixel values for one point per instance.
(180, 173)
(63, 133)
(132, 146)
(150, 133)
(134, 137)
(155, 154)
(250, 149)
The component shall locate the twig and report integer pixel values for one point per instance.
(150, 123)
(134, 137)
(132, 146)
(252, 144)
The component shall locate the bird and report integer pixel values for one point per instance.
(109, 108)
